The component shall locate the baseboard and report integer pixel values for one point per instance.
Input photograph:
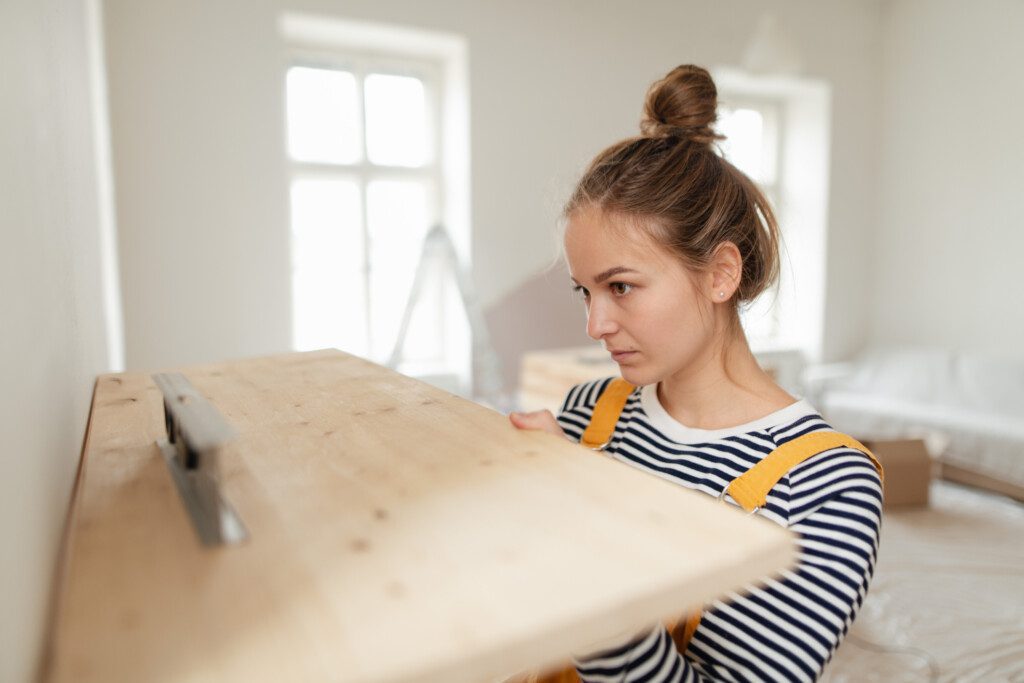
(981, 481)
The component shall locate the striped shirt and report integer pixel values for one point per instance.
(787, 627)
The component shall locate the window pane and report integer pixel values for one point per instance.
(398, 220)
(323, 116)
(328, 283)
(744, 140)
(396, 120)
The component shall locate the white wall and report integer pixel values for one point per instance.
(51, 304)
(197, 123)
(951, 222)
(196, 111)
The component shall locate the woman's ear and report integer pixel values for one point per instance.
(724, 272)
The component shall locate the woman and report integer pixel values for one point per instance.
(665, 240)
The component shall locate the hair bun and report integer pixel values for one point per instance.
(683, 103)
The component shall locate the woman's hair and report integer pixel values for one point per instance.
(671, 182)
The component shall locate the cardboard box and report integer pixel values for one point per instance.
(908, 471)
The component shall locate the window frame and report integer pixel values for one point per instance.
(364, 172)
(773, 114)
(801, 205)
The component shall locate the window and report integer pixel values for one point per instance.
(752, 129)
(370, 173)
(365, 188)
(778, 133)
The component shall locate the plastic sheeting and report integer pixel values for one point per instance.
(947, 599)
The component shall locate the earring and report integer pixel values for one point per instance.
(721, 294)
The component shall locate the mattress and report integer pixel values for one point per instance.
(989, 444)
(947, 599)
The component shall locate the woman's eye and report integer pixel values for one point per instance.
(621, 288)
(581, 291)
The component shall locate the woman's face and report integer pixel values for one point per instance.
(642, 302)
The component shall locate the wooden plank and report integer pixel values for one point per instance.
(398, 533)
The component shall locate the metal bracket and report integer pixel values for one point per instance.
(195, 433)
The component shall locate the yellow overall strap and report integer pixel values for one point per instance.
(606, 414)
(751, 488)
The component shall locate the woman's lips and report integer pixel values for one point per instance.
(620, 356)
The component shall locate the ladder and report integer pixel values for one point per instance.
(439, 256)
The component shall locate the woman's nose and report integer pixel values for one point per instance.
(599, 322)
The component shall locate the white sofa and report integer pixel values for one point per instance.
(972, 404)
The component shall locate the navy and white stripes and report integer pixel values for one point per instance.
(785, 628)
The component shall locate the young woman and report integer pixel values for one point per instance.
(665, 240)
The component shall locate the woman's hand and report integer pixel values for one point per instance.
(538, 419)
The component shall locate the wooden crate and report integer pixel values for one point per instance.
(546, 376)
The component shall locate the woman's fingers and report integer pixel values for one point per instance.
(538, 419)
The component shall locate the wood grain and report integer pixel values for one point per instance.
(398, 533)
